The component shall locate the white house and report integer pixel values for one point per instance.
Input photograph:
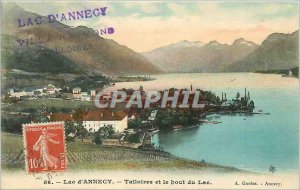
(76, 90)
(85, 96)
(77, 93)
(50, 89)
(18, 94)
(96, 119)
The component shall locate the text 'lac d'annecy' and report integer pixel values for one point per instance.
(61, 17)
(39, 41)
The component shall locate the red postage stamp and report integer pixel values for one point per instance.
(45, 149)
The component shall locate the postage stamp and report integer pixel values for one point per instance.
(45, 149)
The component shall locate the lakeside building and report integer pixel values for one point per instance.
(96, 119)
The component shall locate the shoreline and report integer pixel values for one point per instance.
(236, 112)
(133, 79)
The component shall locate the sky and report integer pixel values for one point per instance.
(143, 26)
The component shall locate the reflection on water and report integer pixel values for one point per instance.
(179, 137)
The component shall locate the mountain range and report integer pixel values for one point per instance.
(22, 50)
(90, 53)
(278, 51)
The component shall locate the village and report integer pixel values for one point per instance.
(51, 91)
(128, 127)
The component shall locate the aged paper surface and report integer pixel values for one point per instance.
(150, 95)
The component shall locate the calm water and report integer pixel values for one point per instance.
(247, 142)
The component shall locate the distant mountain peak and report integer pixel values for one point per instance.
(199, 43)
(242, 41)
(186, 43)
(276, 36)
(214, 42)
(279, 51)
(239, 40)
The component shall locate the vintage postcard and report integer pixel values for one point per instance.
(150, 94)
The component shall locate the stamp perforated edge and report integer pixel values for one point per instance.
(25, 145)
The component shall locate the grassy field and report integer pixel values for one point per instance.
(56, 103)
(91, 156)
(59, 104)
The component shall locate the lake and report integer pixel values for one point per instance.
(247, 142)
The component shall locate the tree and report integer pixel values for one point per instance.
(81, 131)
(98, 139)
(53, 109)
(134, 123)
(8, 99)
(248, 96)
(134, 138)
(145, 114)
(70, 128)
(14, 124)
(78, 115)
(40, 116)
(211, 97)
(65, 110)
(251, 106)
(107, 130)
(187, 118)
(166, 119)
(218, 99)
(30, 110)
(237, 96)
